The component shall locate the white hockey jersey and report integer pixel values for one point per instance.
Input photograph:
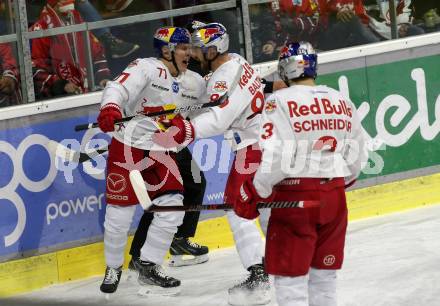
(309, 131)
(238, 117)
(147, 84)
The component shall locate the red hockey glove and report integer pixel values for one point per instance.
(179, 134)
(245, 205)
(107, 116)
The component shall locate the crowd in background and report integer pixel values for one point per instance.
(334, 24)
(59, 61)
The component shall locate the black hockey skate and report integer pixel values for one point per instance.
(154, 281)
(111, 280)
(255, 290)
(184, 252)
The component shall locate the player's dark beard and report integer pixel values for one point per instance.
(201, 67)
(204, 65)
(194, 65)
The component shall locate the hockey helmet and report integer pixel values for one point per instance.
(210, 35)
(170, 37)
(297, 60)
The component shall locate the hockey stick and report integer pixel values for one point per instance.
(177, 110)
(138, 184)
(68, 154)
(225, 206)
(85, 157)
(86, 126)
(141, 192)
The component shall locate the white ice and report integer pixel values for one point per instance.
(392, 260)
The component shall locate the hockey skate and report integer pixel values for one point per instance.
(111, 280)
(255, 290)
(133, 266)
(184, 252)
(154, 281)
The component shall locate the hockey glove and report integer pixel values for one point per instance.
(107, 116)
(180, 133)
(268, 86)
(245, 205)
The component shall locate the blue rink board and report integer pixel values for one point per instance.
(41, 209)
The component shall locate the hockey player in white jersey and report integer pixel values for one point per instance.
(146, 85)
(238, 117)
(313, 147)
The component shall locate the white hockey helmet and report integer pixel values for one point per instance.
(297, 60)
(210, 35)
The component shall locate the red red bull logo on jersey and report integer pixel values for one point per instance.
(270, 106)
(220, 86)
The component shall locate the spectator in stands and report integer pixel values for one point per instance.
(115, 46)
(426, 14)
(293, 20)
(6, 17)
(59, 62)
(139, 32)
(382, 25)
(264, 43)
(9, 77)
(347, 25)
(327, 24)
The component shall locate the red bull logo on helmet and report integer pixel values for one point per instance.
(164, 34)
(285, 52)
(209, 34)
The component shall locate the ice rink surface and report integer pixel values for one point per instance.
(391, 261)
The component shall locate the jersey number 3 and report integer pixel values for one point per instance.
(268, 130)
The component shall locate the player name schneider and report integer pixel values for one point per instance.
(322, 106)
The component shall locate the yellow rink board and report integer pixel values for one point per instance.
(36, 272)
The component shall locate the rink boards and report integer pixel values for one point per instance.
(52, 213)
